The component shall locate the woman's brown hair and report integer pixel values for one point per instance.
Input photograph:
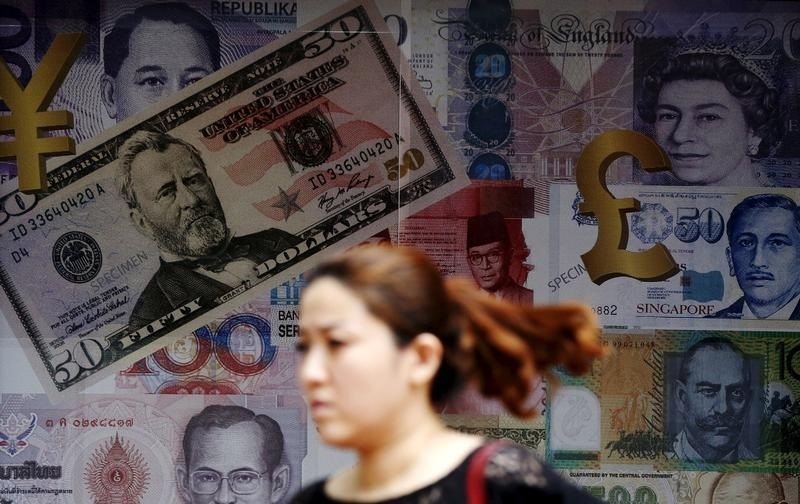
(498, 345)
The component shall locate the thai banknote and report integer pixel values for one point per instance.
(733, 272)
(130, 448)
(684, 487)
(313, 143)
(93, 84)
(682, 400)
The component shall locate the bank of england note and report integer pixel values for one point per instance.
(130, 448)
(682, 400)
(735, 252)
(233, 186)
(127, 64)
(531, 85)
(677, 69)
(251, 350)
(685, 487)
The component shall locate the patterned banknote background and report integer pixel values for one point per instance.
(699, 400)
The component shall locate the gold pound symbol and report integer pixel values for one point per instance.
(28, 112)
(608, 258)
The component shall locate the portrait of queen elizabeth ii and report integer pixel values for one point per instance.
(715, 113)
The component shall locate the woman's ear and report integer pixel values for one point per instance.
(425, 353)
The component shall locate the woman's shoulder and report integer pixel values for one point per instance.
(514, 473)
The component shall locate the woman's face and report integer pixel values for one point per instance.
(702, 128)
(352, 373)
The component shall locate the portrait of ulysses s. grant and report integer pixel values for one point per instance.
(172, 201)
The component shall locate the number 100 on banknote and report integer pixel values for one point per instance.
(211, 198)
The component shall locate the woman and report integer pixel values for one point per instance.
(713, 117)
(385, 340)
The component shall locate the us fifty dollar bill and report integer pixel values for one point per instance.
(236, 184)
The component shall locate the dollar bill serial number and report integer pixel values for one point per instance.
(362, 157)
(41, 219)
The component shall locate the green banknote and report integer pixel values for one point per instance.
(683, 400)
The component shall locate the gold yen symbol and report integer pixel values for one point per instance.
(28, 114)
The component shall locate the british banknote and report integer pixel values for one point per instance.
(101, 448)
(94, 82)
(735, 252)
(530, 86)
(682, 400)
(313, 143)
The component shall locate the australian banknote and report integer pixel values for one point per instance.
(682, 400)
(685, 487)
(128, 448)
(313, 143)
(735, 252)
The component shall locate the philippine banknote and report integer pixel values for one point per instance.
(685, 487)
(130, 448)
(251, 350)
(736, 254)
(682, 400)
(117, 35)
(313, 143)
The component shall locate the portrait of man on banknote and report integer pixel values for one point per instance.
(153, 52)
(172, 201)
(714, 387)
(489, 257)
(232, 455)
(713, 114)
(764, 255)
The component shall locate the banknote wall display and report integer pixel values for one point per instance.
(454, 126)
(252, 172)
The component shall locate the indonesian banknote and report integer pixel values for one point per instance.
(310, 144)
(736, 274)
(101, 77)
(129, 448)
(682, 400)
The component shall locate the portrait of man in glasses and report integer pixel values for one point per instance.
(232, 456)
(489, 258)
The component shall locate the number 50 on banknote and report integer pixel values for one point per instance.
(211, 198)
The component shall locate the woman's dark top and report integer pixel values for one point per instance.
(513, 474)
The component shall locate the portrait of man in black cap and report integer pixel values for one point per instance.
(489, 258)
